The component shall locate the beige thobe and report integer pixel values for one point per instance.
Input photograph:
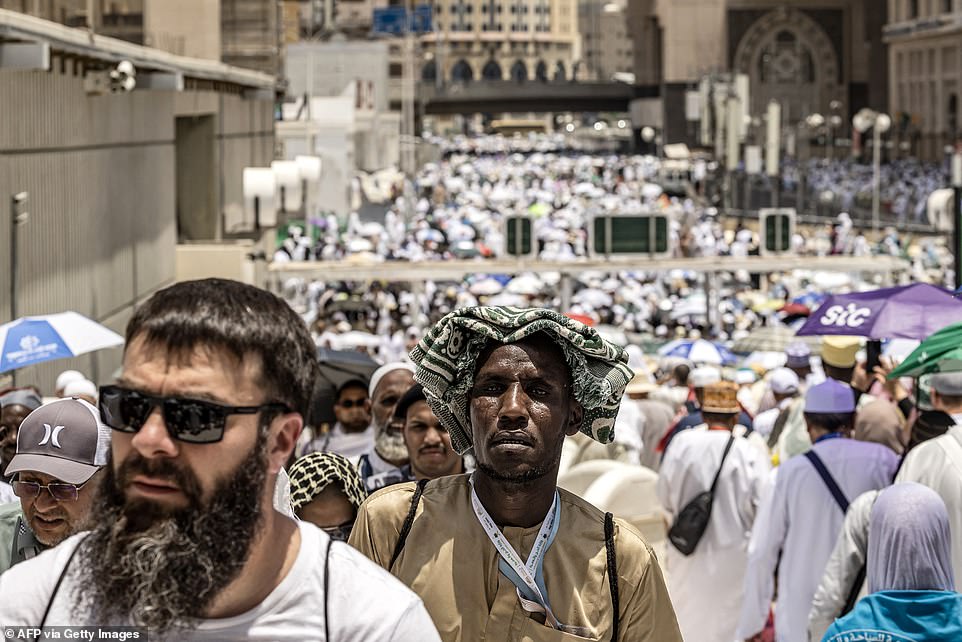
(449, 561)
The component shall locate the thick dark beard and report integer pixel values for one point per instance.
(521, 479)
(162, 569)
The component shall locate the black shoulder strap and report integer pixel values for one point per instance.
(612, 572)
(327, 582)
(56, 587)
(728, 446)
(408, 521)
(828, 479)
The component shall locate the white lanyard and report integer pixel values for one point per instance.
(526, 571)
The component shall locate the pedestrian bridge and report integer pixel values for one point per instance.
(499, 96)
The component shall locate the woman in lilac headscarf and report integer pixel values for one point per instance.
(912, 594)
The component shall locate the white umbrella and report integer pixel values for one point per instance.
(593, 297)
(31, 340)
(527, 284)
(486, 287)
(508, 299)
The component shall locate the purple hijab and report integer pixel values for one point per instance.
(909, 546)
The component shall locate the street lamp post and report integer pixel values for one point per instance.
(879, 123)
(957, 215)
(649, 135)
(17, 218)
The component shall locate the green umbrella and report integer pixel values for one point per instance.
(941, 352)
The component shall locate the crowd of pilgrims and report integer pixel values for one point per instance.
(834, 506)
(777, 532)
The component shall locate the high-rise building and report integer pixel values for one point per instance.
(606, 46)
(501, 40)
(251, 34)
(925, 73)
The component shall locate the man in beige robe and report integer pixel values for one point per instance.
(509, 385)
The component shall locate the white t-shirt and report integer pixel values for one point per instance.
(366, 602)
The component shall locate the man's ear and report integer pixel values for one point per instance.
(284, 431)
(576, 415)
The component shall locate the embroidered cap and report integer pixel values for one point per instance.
(721, 398)
(798, 355)
(64, 439)
(839, 350)
(830, 396)
(704, 376)
(784, 381)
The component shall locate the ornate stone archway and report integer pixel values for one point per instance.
(788, 57)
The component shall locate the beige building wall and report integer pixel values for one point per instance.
(925, 74)
(105, 189)
(606, 45)
(694, 38)
(508, 33)
(184, 27)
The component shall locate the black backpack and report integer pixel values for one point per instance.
(690, 525)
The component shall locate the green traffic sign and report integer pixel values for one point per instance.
(630, 234)
(518, 235)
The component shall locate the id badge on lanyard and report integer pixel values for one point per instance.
(526, 572)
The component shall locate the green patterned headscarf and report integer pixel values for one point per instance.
(446, 362)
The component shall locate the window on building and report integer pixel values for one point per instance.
(461, 72)
(519, 72)
(913, 9)
(541, 71)
(491, 71)
(946, 6)
(952, 115)
(429, 72)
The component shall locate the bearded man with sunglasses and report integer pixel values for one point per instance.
(217, 377)
(61, 450)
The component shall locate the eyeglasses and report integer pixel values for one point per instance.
(339, 533)
(352, 403)
(189, 420)
(60, 491)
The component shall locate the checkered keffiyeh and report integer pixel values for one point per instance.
(446, 361)
(314, 472)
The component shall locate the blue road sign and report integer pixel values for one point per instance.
(395, 20)
(389, 20)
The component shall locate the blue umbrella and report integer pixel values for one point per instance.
(31, 340)
(699, 351)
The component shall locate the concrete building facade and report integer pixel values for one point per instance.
(807, 55)
(501, 40)
(925, 74)
(116, 179)
(606, 46)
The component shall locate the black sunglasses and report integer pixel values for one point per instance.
(190, 420)
(352, 403)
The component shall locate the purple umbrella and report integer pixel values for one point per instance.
(906, 312)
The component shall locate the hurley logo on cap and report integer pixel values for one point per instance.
(51, 435)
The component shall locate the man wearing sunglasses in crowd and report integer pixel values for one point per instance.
(216, 381)
(61, 450)
(353, 433)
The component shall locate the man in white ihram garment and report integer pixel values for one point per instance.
(798, 523)
(706, 586)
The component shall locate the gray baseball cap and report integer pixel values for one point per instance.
(64, 439)
(947, 383)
